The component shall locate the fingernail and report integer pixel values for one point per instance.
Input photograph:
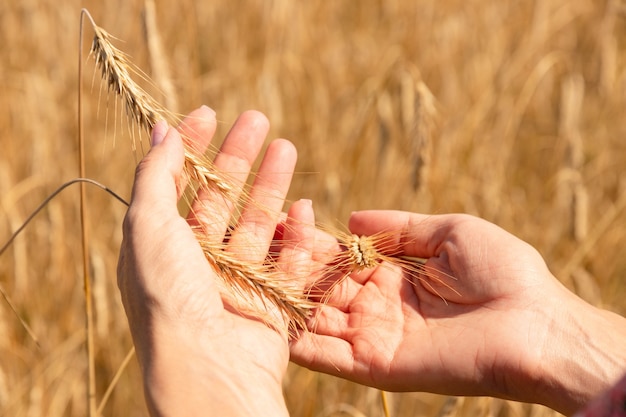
(307, 202)
(207, 109)
(158, 132)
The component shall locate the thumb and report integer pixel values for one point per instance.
(158, 175)
(412, 234)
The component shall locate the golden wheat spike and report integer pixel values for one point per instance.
(260, 289)
(114, 66)
(367, 252)
(144, 111)
(257, 289)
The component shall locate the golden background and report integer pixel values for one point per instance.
(512, 111)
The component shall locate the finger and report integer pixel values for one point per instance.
(330, 321)
(326, 248)
(158, 174)
(257, 224)
(321, 353)
(413, 234)
(298, 242)
(318, 249)
(440, 239)
(197, 129)
(212, 209)
(338, 291)
(153, 228)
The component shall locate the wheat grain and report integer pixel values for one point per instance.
(375, 251)
(144, 111)
(259, 289)
(361, 252)
(114, 66)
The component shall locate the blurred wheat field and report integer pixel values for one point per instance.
(511, 111)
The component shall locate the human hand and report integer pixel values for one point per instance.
(509, 329)
(196, 352)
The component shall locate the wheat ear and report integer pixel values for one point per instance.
(144, 111)
(257, 290)
(359, 253)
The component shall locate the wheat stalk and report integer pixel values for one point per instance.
(255, 289)
(144, 111)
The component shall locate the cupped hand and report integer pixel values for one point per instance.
(194, 350)
(487, 335)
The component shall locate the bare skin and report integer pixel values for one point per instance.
(196, 354)
(513, 332)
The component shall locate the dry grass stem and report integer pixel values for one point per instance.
(158, 63)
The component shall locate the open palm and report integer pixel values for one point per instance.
(389, 329)
(170, 291)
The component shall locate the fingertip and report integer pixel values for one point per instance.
(158, 133)
(367, 222)
(201, 118)
(285, 151)
(301, 212)
(206, 111)
(198, 128)
(202, 113)
(158, 172)
(298, 238)
(255, 119)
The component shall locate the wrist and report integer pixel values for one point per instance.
(582, 356)
(184, 375)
